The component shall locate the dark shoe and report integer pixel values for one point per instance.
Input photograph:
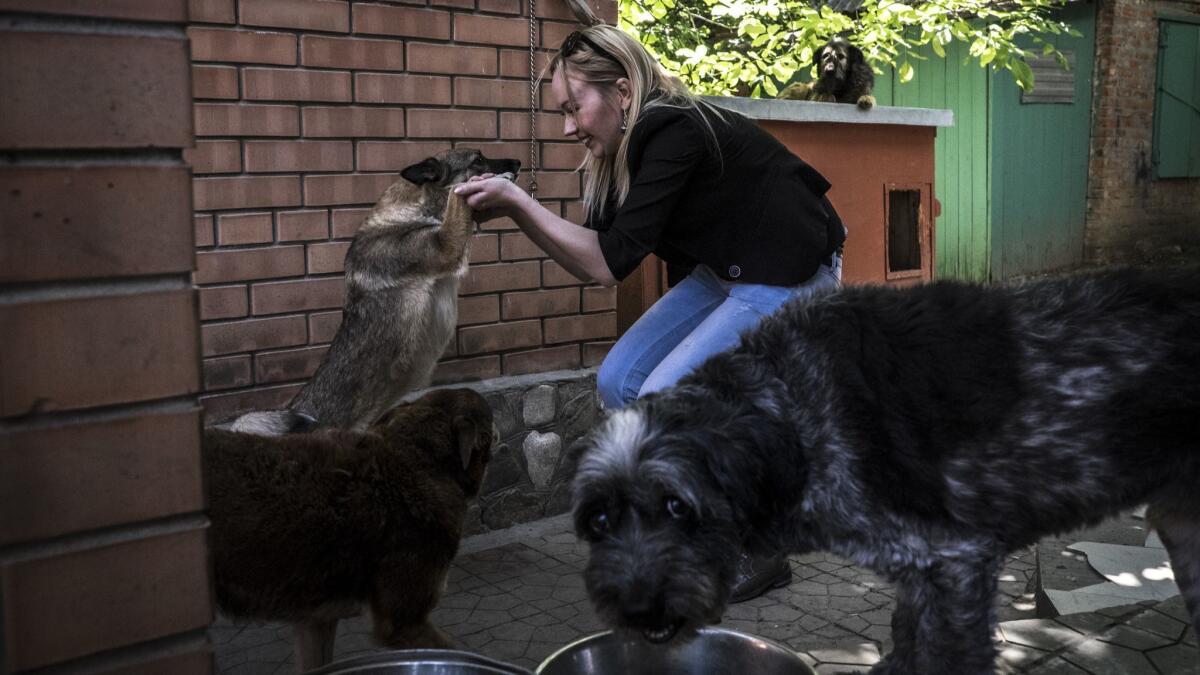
(758, 574)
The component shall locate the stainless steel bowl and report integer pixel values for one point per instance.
(420, 662)
(712, 651)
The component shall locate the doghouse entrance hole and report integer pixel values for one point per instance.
(904, 230)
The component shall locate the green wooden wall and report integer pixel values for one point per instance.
(1011, 177)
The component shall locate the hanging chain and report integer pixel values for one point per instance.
(533, 161)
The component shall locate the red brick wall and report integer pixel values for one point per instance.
(103, 566)
(305, 111)
(1130, 212)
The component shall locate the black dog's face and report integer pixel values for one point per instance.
(456, 166)
(833, 61)
(662, 537)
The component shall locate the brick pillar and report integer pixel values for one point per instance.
(103, 561)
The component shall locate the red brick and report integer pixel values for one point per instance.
(223, 407)
(253, 335)
(396, 88)
(503, 277)
(65, 479)
(136, 347)
(282, 84)
(135, 92)
(499, 337)
(346, 189)
(351, 53)
(515, 63)
(517, 246)
(516, 125)
(322, 326)
(490, 30)
(594, 353)
(353, 122)
(347, 221)
(196, 662)
(500, 150)
(451, 59)
(211, 11)
(242, 265)
(66, 222)
(214, 82)
(275, 156)
(553, 33)
(287, 365)
(375, 19)
(500, 6)
(576, 328)
(563, 155)
(597, 299)
(327, 258)
(532, 304)
(223, 119)
(484, 248)
(63, 607)
(396, 155)
(461, 4)
(223, 302)
(214, 157)
(204, 229)
(469, 91)
(244, 228)
(451, 124)
(296, 296)
(169, 11)
(242, 46)
(467, 370)
(478, 309)
(303, 225)
(573, 211)
(559, 9)
(554, 274)
(542, 360)
(245, 192)
(227, 373)
(325, 15)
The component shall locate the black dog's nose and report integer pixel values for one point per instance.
(642, 607)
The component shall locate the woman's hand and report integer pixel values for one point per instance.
(491, 196)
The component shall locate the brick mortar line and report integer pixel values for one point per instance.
(17, 294)
(23, 22)
(130, 655)
(67, 544)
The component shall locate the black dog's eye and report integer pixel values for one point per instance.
(598, 523)
(676, 507)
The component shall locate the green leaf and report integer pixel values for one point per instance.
(1023, 73)
(905, 72)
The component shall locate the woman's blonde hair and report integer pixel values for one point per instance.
(650, 87)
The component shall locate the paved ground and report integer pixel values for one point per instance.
(517, 596)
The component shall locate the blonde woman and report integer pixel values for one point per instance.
(706, 190)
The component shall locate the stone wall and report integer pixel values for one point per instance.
(1132, 214)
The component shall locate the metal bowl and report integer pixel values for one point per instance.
(712, 651)
(420, 662)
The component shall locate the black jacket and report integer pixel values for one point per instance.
(753, 212)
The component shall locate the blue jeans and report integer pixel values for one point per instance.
(699, 317)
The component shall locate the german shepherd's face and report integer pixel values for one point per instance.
(456, 166)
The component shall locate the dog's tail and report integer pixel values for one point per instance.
(273, 423)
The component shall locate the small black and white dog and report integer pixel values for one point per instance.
(921, 432)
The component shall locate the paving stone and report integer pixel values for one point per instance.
(1019, 657)
(862, 655)
(1085, 624)
(1102, 658)
(1134, 638)
(1176, 659)
(1159, 624)
(1042, 634)
(1056, 666)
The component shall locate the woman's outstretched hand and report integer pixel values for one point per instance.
(491, 196)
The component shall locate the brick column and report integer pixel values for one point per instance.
(103, 562)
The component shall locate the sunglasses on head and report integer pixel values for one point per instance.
(571, 45)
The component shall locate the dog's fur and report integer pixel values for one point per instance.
(843, 76)
(402, 274)
(923, 433)
(308, 527)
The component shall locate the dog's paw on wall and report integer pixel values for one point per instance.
(308, 528)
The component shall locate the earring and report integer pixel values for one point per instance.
(624, 121)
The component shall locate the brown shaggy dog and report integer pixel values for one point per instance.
(308, 527)
(843, 76)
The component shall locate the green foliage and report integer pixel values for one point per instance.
(755, 47)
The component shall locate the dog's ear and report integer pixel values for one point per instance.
(856, 56)
(467, 430)
(426, 171)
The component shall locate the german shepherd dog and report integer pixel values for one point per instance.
(308, 527)
(843, 76)
(402, 274)
(923, 433)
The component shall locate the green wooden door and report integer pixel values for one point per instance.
(1177, 104)
(1040, 161)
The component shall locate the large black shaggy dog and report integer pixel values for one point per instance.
(923, 433)
(308, 527)
(843, 76)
